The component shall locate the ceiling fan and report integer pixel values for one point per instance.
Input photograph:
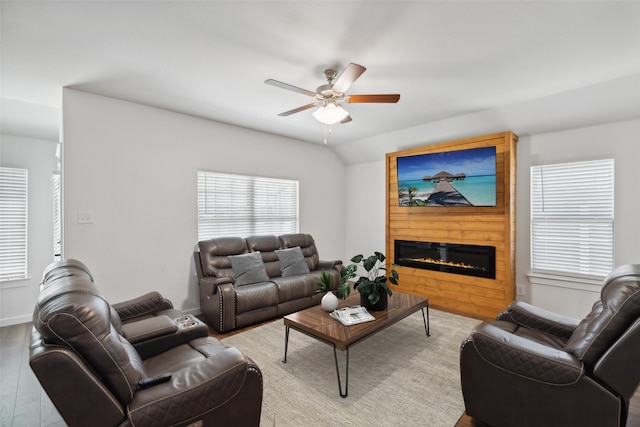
(330, 96)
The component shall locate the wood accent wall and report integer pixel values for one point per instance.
(489, 226)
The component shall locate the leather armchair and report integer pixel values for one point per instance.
(95, 376)
(531, 367)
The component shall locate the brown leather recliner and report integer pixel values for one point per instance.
(95, 376)
(531, 367)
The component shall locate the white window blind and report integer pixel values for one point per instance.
(238, 205)
(57, 216)
(13, 223)
(572, 218)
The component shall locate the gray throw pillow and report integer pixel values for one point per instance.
(248, 268)
(292, 261)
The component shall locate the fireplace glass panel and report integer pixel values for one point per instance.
(470, 260)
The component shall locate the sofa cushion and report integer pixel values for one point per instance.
(215, 254)
(248, 268)
(266, 245)
(294, 287)
(292, 262)
(306, 244)
(256, 296)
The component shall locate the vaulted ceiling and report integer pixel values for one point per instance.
(210, 59)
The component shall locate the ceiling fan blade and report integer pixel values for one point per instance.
(348, 76)
(346, 120)
(276, 83)
(297, 110)
(387, 98)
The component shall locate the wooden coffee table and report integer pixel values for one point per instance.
(318, 324)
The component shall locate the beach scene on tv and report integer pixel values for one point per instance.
(452, 178)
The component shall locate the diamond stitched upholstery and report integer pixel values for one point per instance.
(523, 370)
(535, 318)
(215, 381)
(521, 357)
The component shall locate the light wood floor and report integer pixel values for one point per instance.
(23, 403)
(22, 400)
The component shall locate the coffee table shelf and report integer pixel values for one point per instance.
(319, 325)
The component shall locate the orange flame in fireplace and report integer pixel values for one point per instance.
(447, 263)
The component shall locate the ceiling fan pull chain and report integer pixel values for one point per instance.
(325, 134)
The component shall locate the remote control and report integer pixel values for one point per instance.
(148, 382)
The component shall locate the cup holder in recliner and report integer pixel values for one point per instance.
(186, 321)
(189, 324)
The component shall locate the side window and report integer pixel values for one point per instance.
(572, 218)
(13, 223)
(57, 216)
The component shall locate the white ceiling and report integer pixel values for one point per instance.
(209, 59)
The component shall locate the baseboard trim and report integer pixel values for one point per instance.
(193, 311)
(10, 321)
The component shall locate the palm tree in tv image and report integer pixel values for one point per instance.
(410, 193)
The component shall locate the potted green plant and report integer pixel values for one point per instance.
(330, 301)
(373, 286)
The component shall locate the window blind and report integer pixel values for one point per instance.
(57, 216)
(239, 205)
(572, 218)
(13, 223)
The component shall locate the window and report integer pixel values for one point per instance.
(13, 223)
(572, 218)
(237, 205)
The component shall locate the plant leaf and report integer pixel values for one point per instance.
(357, 258)
(370, 262)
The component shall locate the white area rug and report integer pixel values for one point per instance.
(398, 377)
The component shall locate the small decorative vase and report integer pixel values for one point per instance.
(382, 303)
(329, 301)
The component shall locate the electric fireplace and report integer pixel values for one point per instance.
(470, 260)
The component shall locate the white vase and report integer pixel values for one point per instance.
(329, 301)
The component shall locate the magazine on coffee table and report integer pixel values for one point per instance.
(352, 315)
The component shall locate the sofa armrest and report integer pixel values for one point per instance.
(197, 390)
(337, 264)
(155, 335)
(540, 319)
(209, 285)
(149, 328)
(523, 357)
(149, 303)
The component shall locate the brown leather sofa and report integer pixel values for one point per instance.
(227, 305)
(98, 362)
(531, 367)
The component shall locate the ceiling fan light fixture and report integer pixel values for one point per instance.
(330, 113)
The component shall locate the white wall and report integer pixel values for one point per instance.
(17, 298)
(365, 209)
(366, 190)
(616, 140)
(135, 167)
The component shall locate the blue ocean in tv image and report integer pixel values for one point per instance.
(455, 178)
(479, 190)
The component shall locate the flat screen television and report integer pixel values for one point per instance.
(449, 178)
